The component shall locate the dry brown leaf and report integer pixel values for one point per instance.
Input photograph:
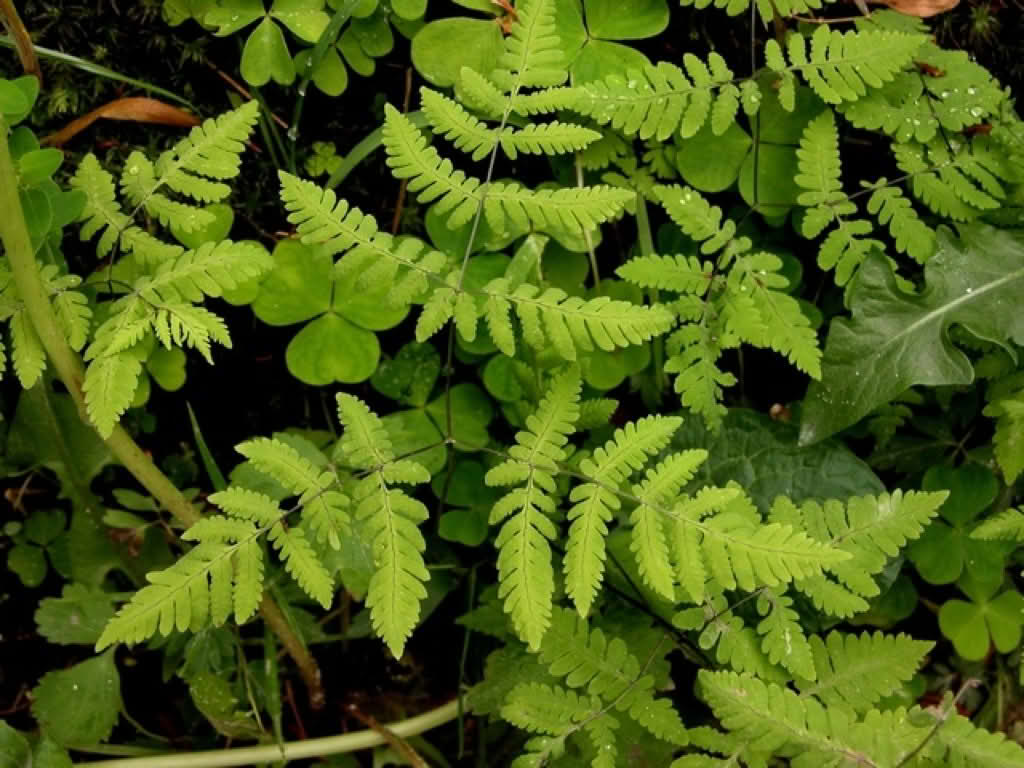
(923, 9)
(139, 109)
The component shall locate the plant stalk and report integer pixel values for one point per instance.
(293, 750)
(71, 370)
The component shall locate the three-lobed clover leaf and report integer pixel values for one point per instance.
(265, 55)
(339, 345)
(986, 621)
(946, 549)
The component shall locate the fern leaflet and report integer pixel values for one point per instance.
(391, 517)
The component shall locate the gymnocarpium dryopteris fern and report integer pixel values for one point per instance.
(738, 298)
(223, 574)
(676, 538)
(168, 283)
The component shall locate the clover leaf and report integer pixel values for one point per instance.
(339, 345)
(468, 503)
(363, 40)
(265, 55)
(946, 548)
(409, 377)
(971, 625)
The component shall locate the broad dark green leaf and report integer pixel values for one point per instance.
(763, 456)
(77, 617)
(895, 340)
(79, 705)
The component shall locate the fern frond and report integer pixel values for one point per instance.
(207, 271)
(842, 66)
(819, 163)
(525, 573)
(768, 9)
(197, 589)
(532, 56)
(139, 183)
(784, 641)
(570, 209)
(391, 518)
(912, 236)
(322, 219)
(101, 213)
(773, 717)
(856, 671)
(586, 658)
(698, 219)
(1008, 525)
(740, 551)
(775, 318)
(186, 325)
(567, 322)
(594, 502)
(659, 99)
(109, 387)
(27, 353)
(961, 744)
(325, 508)
(669, 273)
(70, 306)
(302, 563)
(693, 353)
(870, 530)
(657, 491)
(1008, 411)
(448, 118)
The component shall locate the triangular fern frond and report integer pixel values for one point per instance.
(595, 502)
(693, 354)
(391, 518)
(570, 209)
(959, 743)
(27, 353)
(525, 573)
(856, 671)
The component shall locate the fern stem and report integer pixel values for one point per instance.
(69, 367)
(293, 750)
(645, 241)
(307, 666)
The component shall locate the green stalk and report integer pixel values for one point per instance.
(646, 243)
(95, 69)
(367, 147)
(292, 750)
(69, 367)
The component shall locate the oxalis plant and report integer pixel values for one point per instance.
(675, 586)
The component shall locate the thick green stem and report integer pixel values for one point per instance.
(293, 750)
(69, 367)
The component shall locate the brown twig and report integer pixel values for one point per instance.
(398, 744)
(243, 91)
(22, 40)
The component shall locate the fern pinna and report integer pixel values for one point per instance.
(223, 574)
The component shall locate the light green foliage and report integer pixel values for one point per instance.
(525, 573)
(841, 66)
(856, 671)
(1008, 525)
(870, 530)
(169, 282)
(390, 517)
